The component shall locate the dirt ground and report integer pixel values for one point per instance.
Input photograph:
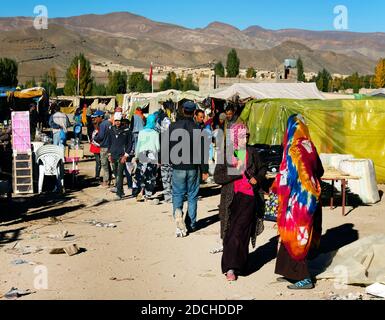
(141, 258)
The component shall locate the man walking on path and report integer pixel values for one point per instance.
(186, 167)
(120, 145)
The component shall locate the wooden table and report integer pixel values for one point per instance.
(334, 175)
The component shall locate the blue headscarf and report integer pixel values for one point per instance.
(151, 122)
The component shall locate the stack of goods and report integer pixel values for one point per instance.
(271, 207)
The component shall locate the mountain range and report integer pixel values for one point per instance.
(126, 39)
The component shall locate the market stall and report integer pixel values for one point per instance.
(355, 127)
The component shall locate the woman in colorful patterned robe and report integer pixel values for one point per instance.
(299, 219)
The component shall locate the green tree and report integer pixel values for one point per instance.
(301, 74)
(8, 72)
(367, 81)
(165, 84)
(219, 69)
(171, 82)
(188, 84)
(30, 83)
(98, 89)
(49, 82)
(86, 79)
(379, 79)
(117, 83)
(324, 80)
(337, 84)
(354, 82)
(233, 64)
(177, 83)
(138, 83)
(251, 73)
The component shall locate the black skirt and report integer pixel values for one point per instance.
(237, 238)
(291, 269)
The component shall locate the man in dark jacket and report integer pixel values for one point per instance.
(102, 138)
(120, 145)
(189, 158)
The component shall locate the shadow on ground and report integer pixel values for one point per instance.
(36, 207)
(208, 191)
(333, 240)
(10, 236)
(262, 256)
(206, 222)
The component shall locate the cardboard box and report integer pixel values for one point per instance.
(73, 153)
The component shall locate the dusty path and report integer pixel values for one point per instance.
(142, 259)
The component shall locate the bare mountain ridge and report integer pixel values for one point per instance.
(126, 24)
(369, 44)
(131, 40)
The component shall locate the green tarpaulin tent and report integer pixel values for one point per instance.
(354, 127)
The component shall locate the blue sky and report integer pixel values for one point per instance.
(270, 14)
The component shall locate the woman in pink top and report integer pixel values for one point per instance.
(241, 178)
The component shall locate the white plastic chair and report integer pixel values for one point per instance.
(50, 159)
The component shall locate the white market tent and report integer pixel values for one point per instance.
(133, 100)
(243, 90)
(377, 93)
(269, 91)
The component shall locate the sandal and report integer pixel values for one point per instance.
(230, 276)
(305, 284)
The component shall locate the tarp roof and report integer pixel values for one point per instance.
(243, 90)
(355, 127)
(378, 92)
(270, 91)
(29, 93)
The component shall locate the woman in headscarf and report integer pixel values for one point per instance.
(299, 218)
(241, 176)
(162, 126)
(146, 153)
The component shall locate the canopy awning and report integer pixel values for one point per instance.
(261, 91)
